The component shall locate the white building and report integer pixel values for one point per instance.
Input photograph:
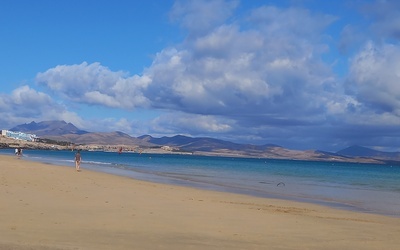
(18, 135)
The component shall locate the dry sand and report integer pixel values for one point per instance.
(54, 207)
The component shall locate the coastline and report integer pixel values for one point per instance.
(46, 207)
(273, 153)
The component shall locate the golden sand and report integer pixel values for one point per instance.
(54, 207)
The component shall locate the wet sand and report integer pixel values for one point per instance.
(54, 207)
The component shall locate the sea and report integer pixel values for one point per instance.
(368, 188)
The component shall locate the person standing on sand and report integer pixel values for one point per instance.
(19, 152)
(78, 159)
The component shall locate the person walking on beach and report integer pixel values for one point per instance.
(18, 152)
(78, 159)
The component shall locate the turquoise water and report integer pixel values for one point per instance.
(362, 187)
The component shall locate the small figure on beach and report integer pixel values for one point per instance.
(18, 152)
(78, 159)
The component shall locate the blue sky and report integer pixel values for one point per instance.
(302, 74)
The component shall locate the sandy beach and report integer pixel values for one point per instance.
(54, 207)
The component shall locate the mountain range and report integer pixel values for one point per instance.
(67, 132)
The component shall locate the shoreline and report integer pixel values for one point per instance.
(358, 202)
(381, 205)
(47, 207)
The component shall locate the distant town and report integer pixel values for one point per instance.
(19, 135)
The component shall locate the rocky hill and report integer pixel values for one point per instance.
(49, 128)
(103, 138)
(67, 132)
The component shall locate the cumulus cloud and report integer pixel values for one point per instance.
(26, 104)
(200, 16)
(29, 97)
(95, 84)
(263, 69)
(267, 79)
(111, 124)
(231, 71)
(193, 124)
(374, 78)
(290, 22)
(260, 76)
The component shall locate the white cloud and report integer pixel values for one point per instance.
(230, 70)
(263, 69)
(95, 84)
(107, 124)
(260, 75)
(290, 22)
(25, 104)
(201, 16)
(374, 77)
(192, 124)
(95, 97)
(226, 71)
(26, 96)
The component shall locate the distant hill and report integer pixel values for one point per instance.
(62, 131)
(67, 132)
(359, 151)
(52, 128)
(202, 143)
(102, 138)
